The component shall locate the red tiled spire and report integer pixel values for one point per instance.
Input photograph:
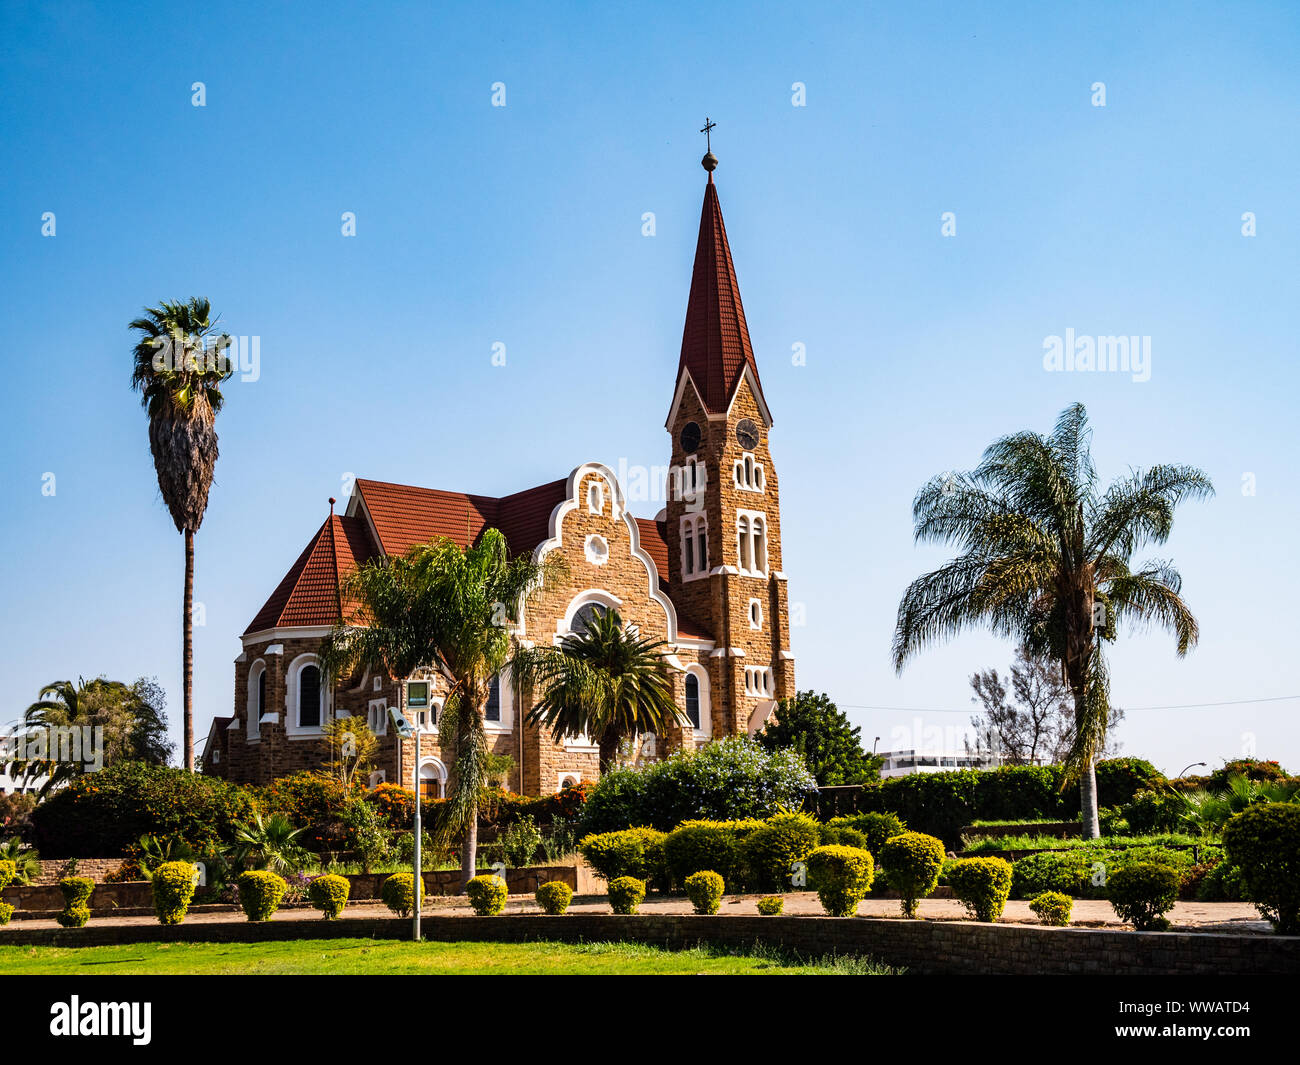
(715, 342)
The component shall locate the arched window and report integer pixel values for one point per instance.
(256, 708)
(744, 548)
(433, 779)
(586, 617)
(492, 712)
(261, 694)
(755, 614)
(695, 545)
(697, 706)
(693, 699)
(595, 498)
(309, 697)
(751, 542)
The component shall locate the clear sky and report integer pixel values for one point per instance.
(522, 225)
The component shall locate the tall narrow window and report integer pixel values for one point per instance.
(261, 695)
(701, 546)
(693, 699)
(309, 697)
(492, 712)
(688, 544)
(744, 547)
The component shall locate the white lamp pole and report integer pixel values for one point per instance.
(406, 732)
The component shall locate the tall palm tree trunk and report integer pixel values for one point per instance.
(610, 741)
(1087, 780)
(187, 627)
(469, 852)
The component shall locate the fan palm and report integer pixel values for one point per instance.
(449, 609)
(270, 844)
(1046, 560)
(27, 862)
(180, 365)
(603, 682)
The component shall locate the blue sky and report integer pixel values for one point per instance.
(522, 225)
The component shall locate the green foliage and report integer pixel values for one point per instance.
(875, 826)
(820, 732)
(1052, 908)
(1067, 872)
(27, 863)
(705, 889)
(1156, 811)
(1263, 842)
(329, 894)
(694, 846)
(272, 844)
(626, 894)
(1120, 779)
(487, 895)
(912, 863)
(1250, 768)
(366, 837)
(982, 885)
(771, 905)
(1222, 883)
(1142, 893)
(521, 841)
(841, 877)
(173, 889)
(6, 912)
(730, 780)
(8, 873)
(73, 916)
(398, 893)
(633, 852)
(260, 893)
(841, 836)
(554, 897)
(107, 812)
(771, 851)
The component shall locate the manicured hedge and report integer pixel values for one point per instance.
(695, 846)
(106, 813)
(730, 780)
(173, 888)
(1263, 842)
(633, 852)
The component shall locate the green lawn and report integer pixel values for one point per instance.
(366, 956)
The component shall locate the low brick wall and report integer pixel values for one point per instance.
(924, 947)
(109, 898)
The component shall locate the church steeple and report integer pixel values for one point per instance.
(715, 341)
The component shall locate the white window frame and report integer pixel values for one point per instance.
(596, 550)
(377, 716)
(690, 489)
(596, 496)
(751, 543)
(758, 681)
(749, 474)
(439, 773)
(255, 673)
(756, 623)
(701, 675)
(506, 701)
(568, 774)
(379, 776)
(689, 529)
(292, 729)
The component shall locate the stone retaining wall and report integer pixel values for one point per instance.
(924, 947)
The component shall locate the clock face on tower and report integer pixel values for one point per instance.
(747, 435)
(690, 438)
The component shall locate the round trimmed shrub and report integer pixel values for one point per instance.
(634, 852)
(8, 871)
(626, 893)
(1052, 908)
(705, 889)
(912, 864)
(76, 894)
(982, 885)
(260, 893)
(1263, 842)
(771, 905)
(398, 893)
(771, 851)
(554, 897)
(173, 889)
(487, 894)
(841, 836)
(329, 894)
(1141, 893)
(841, 877)
(6, 911)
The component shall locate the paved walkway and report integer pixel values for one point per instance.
(1236, 917)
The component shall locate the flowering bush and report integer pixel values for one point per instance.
(730, 780)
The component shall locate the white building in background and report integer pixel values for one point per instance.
(906, 762)
(10, 786)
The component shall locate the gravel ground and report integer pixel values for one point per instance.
(1235, 917)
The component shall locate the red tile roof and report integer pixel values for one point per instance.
(715, 340)
(405, 515)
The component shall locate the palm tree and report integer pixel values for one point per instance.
(179, 374)
(27, 862)
(449, 609)
(603, 682)
(1046, 560)
(270, 844)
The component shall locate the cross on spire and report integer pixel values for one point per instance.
(708, 126)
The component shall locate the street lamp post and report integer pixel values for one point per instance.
(1203, 765)
(405, 731)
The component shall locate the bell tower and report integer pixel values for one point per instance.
(723, 512)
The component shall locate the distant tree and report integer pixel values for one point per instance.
(816, 728)
(349, 747)
(1037, 724)
(132, 717)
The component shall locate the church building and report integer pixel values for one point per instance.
(705, 576)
